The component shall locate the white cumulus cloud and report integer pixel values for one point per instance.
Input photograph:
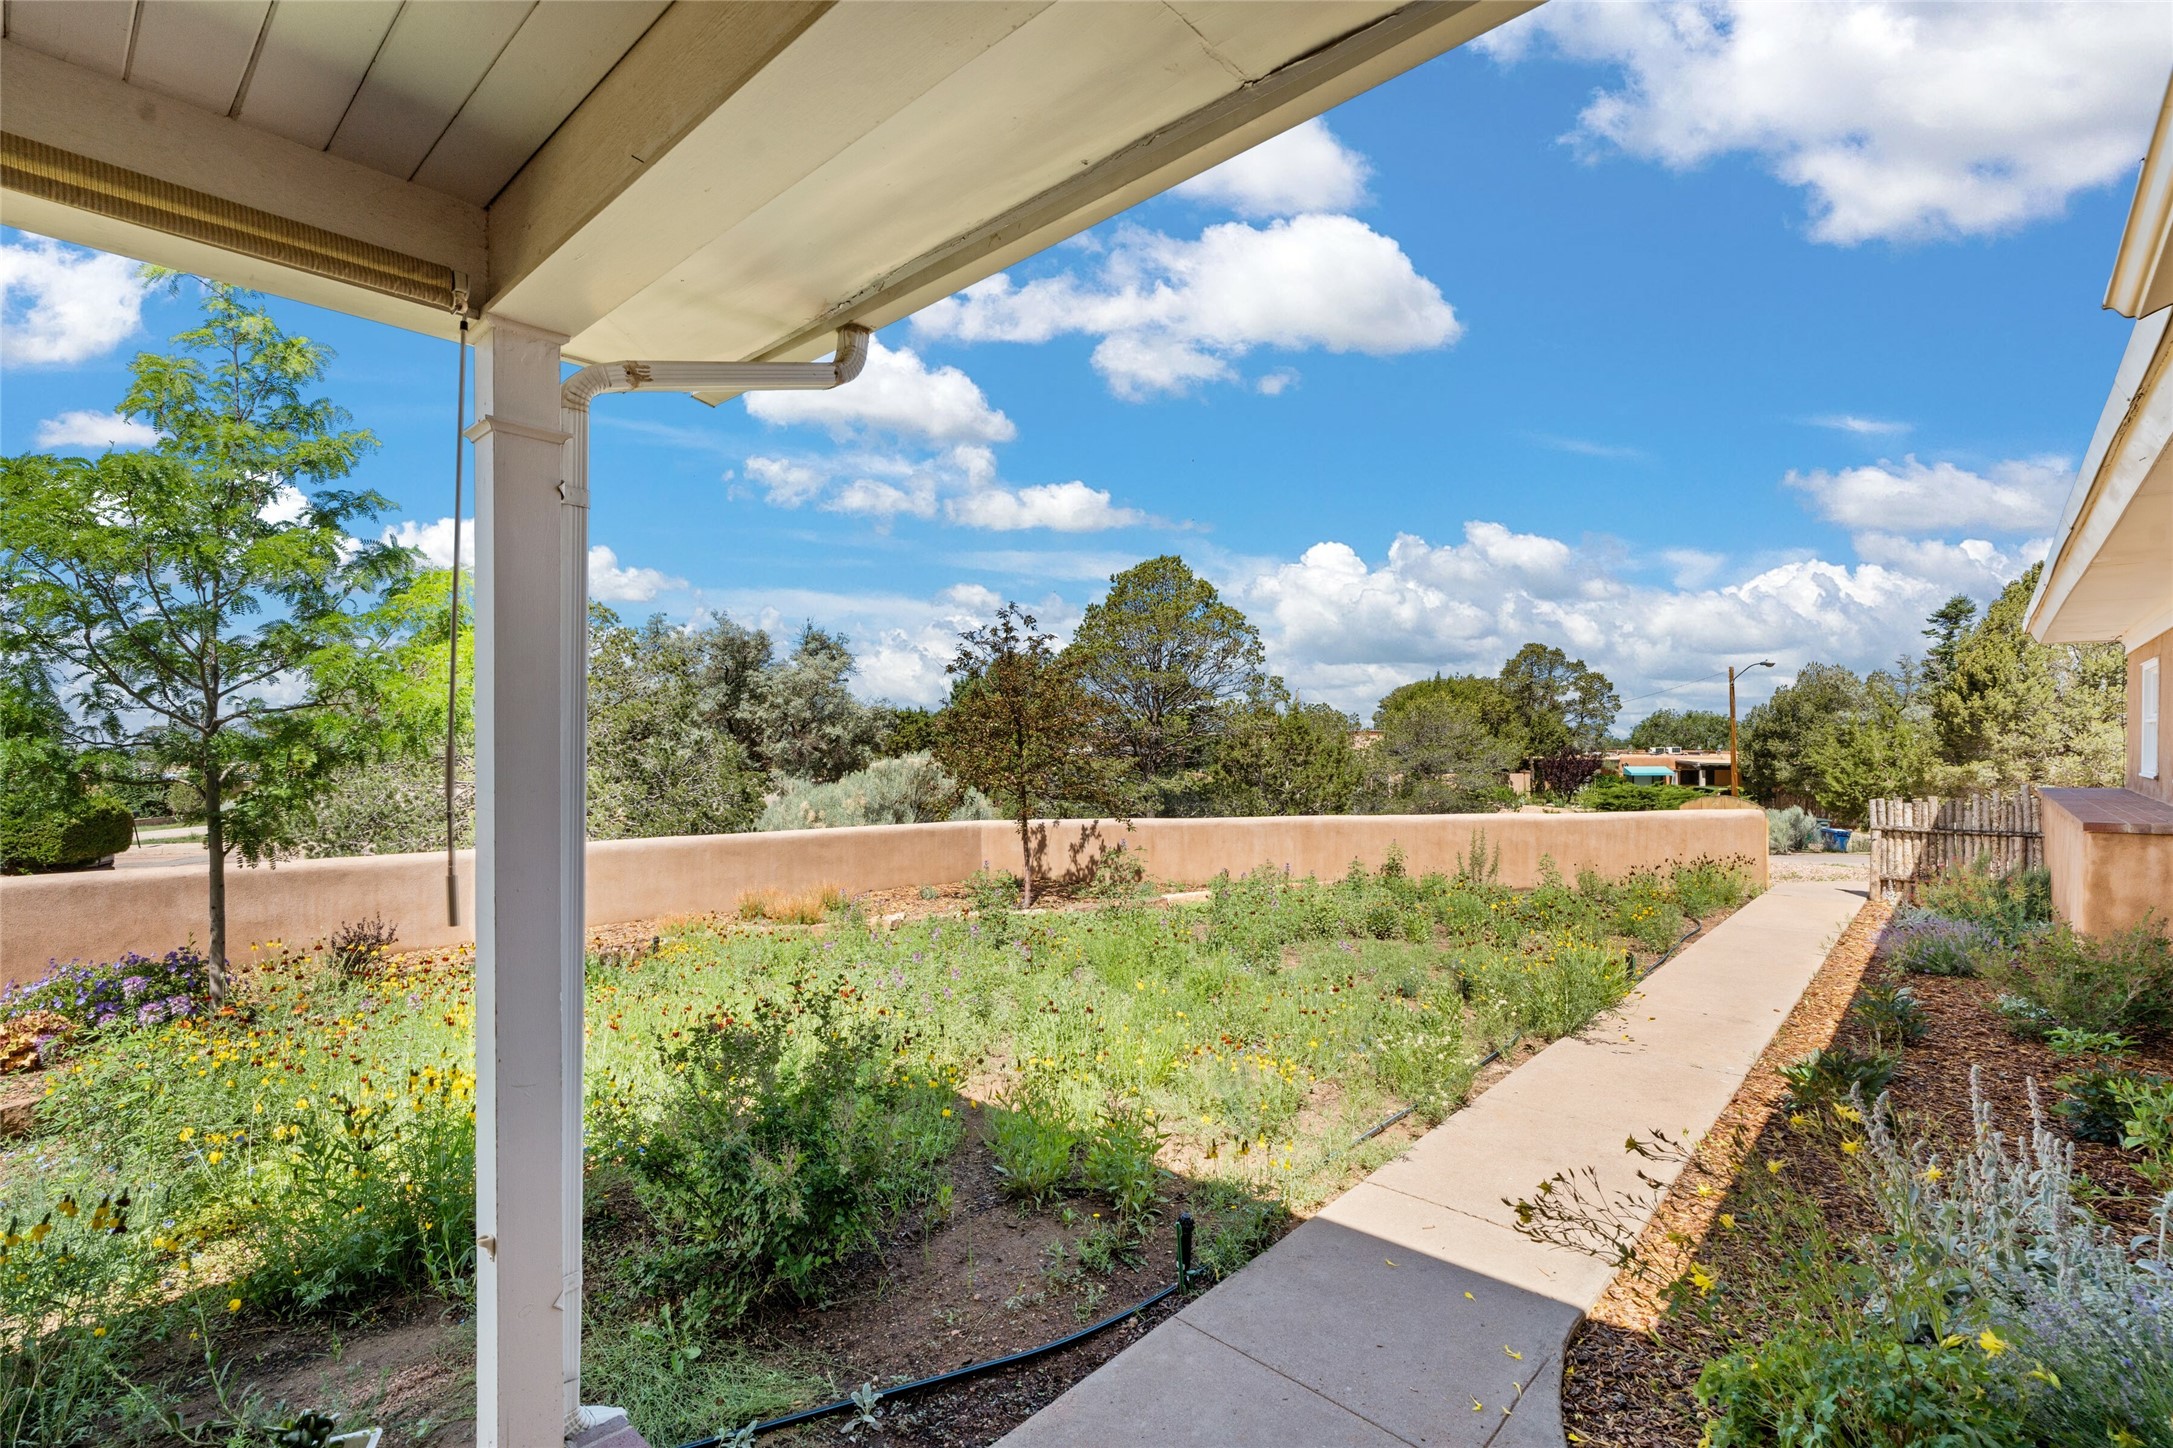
(1346, 629)
(1060, 507)
(1970, 565)
(613, 583)
(2016, 496)
(1303, 169)
(63, 304)
(434, 541)
(86, 430)
(288, 504)
(1172, 313)
(960, 484)
(1900, 121)
(895, 393)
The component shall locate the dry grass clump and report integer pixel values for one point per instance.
(809, 907)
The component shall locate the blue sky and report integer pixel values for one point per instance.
(1670, 335)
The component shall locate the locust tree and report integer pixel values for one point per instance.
(1022, 729)
(205, 598)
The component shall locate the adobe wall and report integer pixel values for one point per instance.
(98, 915)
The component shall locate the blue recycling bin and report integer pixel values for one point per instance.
(1836, 840)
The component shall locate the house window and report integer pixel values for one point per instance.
(2147, 734)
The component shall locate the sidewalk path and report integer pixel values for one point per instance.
(1408, 1311)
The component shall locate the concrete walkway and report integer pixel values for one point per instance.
(1409, 1311)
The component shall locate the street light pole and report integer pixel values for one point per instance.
(1735, 759)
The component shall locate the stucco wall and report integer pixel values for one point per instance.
(101, 914)
(2161, 649)
(2104, 881)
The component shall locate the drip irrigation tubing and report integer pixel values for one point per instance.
(1496, 1054)
(807, 1415)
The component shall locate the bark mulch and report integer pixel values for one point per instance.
(1631, 1367)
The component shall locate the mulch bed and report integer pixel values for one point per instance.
(1631, 1367)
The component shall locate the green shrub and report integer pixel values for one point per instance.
(1922, 943)
(1119, 1163)
(2120, 983)
(79, 831)
(1032, 1142)
(2008, 905)
(1548, 993)
(1835, 1073)
(993, 890)
(911, 789)
(784, 1144)
(1613, 793)
(1892, 1014)
(1706, 886)
(2092, 1104)
(1791, 830)
(1118, 874)
(1803, 1387)
(379, 1196)
(2146, 1105)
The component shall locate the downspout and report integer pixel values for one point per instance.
(573, 491)
(602, 377)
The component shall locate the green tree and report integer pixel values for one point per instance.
(1164, 651)
(1024, 731)
(658, 762)
(800, 717)
(1439, 750)
(1484, 699)
(1948, 625)
(1778, 736)
(50, 815)
(907, 730)
(2011, 711)
(1687, 728)
(1883, 750)
(1564, 706)
(206, 595)
(1277, 756)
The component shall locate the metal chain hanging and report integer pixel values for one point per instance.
(452, 655)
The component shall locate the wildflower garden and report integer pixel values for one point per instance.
(1948, 1224)
(793, 1130)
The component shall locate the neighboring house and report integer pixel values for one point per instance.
(2110, 576)
(1699, 768)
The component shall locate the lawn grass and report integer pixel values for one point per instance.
(310, 1149)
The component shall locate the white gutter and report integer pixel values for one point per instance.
(602, 377)
(2142, 280)
(2140, 367)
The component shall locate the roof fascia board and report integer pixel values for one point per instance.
(2132, 432)
(692, 60)
(2142, 280)
(93, 115)
(847, 73)
(1293, 93)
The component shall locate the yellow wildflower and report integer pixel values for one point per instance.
(1992, 1343)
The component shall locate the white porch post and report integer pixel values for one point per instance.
(530, 665)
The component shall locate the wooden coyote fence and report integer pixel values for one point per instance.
(1915, 839)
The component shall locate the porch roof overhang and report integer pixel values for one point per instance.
(2109, 573)
(728, 180)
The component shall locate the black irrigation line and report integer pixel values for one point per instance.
(1496, 1054)
(807, 1415)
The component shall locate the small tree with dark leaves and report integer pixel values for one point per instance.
(1022, 730)
(1564, 774)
